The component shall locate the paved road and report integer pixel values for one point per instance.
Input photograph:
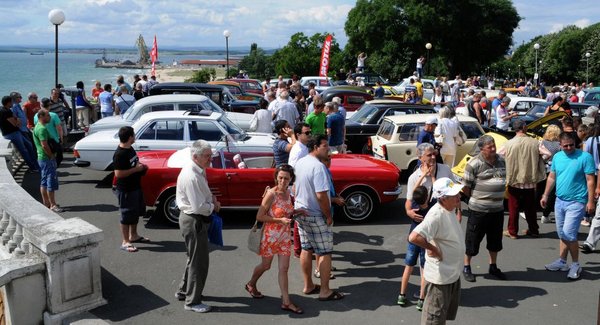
(369, 257)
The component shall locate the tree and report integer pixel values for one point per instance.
(257, 64)
(302, 55)
(203, 75)
(466, 35)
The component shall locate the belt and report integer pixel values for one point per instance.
(199, 216)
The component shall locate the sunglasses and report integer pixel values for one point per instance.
(568, 145)
(306, 133)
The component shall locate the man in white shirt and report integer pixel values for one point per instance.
(441, 235)
(286, 110)
(581, 93)
(299, 149)
(196, 202)
(123, 100)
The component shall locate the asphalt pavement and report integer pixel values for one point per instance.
(369, 258)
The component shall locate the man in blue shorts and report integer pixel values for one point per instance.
(573, 172)
(46, 160)
(314, 227)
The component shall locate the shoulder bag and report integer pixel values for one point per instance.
(254, 238)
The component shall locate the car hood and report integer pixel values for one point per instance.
(109, 120)
(353, 161)
(108, 123)
(102, 139)
(545, 119)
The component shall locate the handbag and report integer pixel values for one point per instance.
(254, 238)
(461, 138)
(215, 230)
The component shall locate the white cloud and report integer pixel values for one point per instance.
(582, 23)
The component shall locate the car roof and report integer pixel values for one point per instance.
(224, 82)
(392, 102)
(171, 98)
(315, 77)
(418, 118)
(345, 89)
(179, 115)
(185, 85)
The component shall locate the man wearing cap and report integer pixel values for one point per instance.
(524, 169)
(426, 136)
(441, 235)
(503, 116)
(484, 182)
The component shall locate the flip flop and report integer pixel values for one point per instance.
(141, 240)
(287, 307)
(333, 296)
(253, 292)
(314, 291)
(129, 248)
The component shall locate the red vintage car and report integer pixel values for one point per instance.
(249, 85)
(365, 182)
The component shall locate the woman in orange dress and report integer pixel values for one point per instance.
(276, 211)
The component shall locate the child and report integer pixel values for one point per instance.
(421, 202)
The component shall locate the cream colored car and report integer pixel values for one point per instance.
(396, 139)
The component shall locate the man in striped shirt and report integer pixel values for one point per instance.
(485, 182)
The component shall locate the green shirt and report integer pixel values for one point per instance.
(40, 133)
(51, 126)
(316, 122)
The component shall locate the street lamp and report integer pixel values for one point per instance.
(587, 67)
(428, 47)
(519, 71)
(227, 33)
(540, 76)
(56, 17)
(536, 46)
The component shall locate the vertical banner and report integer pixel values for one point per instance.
(154, 56)
(324, 66)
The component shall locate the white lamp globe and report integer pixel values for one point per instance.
(56, 16)
(226, 33)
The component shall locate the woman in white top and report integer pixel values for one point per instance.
(445, 133)
(261, 121)
(438, 99)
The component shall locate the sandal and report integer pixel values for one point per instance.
(141, 239)
(333, 296)
(253, 292)
(129, 248)
(314, 291)
(295, 309)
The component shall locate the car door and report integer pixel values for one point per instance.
(247, 185)
(161, 135)
(403, 151)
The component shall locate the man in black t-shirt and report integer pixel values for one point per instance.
(128, 174)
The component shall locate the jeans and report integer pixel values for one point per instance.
(24, 147)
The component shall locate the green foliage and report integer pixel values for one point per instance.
(302, 55)
(562, 55)
(257, 64)
(203, 75)
(466, 35)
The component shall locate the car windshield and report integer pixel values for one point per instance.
(386, 130)
(251, 85)
(364, 114)
(234, 131)
(537, 110)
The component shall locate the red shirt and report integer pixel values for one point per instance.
(30, 110)
(96, 92)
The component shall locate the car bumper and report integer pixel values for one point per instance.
(81, 163)
(397, 191)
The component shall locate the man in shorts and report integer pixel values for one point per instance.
(441, 235)
(128, 175)
(573, 172)
(484, 183)
(314, 228)
(46, 160)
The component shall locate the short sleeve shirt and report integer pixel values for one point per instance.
(441, 228)
(311, 178)
(487, 183)
(571, 171)
(5, 125)
(316, 122)
(124, 159)
(279, 154)
(51, 126)
(335, 122)
(106, 102)
(425, 137)
(40, 133)
(442, 171)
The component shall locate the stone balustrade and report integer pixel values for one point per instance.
(49, 266)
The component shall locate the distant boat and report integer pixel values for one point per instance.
(143, 61)
(36, 53)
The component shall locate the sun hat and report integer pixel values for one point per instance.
(431, 120)
(445, 187)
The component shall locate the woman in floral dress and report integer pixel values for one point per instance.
(276, 211)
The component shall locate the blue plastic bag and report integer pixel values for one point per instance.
(215, 230)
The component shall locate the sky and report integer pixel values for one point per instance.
(200, 23)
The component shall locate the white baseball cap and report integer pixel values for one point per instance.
(431, 120)
(445, 187)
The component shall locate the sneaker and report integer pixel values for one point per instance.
(522, 215)
(586, 248)
(557, 265)
(495, 272)
(469, 277)
(199, 308)
(402, 301)
(574, 272)
(317, 273)
(545, 219)
(57, 209)
(180, 295)
(420, 305)
(507, 234)
(585, 223)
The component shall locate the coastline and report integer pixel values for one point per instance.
(180, 74)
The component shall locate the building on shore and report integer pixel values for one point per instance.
(208, 63)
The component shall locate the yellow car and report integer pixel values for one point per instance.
(535, 129)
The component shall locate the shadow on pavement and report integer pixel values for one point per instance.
(92, 207)
(507, 297)
(367, 257)
(125, 301)
(356, 237)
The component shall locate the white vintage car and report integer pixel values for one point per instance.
(396, 139)
(175, 102)
(169, 130)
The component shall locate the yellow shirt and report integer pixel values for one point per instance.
(419, 86)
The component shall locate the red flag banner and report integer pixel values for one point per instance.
(324, 66)
(154, 56)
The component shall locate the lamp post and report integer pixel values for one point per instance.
(587, 67)
(536, 46)
(540, 75)
(519, 71)
(227, 33)
(428, 47)
(56, 17)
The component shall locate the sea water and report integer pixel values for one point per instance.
(22, 72)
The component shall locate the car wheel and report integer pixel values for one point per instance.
(168, 207)
(360, 204)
